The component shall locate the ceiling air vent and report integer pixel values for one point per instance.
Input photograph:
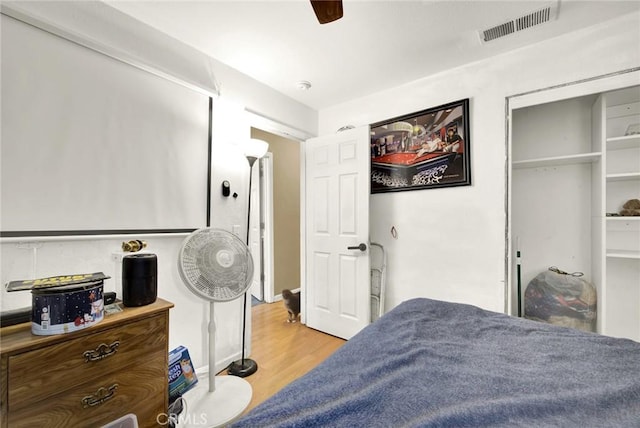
(529, 20)
(498, 31)
(535, 18)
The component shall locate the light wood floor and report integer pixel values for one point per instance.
(284, 351)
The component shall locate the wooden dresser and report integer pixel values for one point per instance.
(90, 377)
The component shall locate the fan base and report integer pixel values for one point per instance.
(213, 409)
(243, 368)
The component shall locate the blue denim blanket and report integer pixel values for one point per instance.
(430, 363)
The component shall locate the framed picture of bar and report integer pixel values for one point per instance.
(422, 150)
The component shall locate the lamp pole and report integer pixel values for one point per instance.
(244, 367)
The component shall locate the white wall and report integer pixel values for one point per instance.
(189, 317)
(451, 241)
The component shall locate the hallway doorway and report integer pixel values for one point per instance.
(279, 217)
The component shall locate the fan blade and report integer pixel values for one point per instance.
(327, 10)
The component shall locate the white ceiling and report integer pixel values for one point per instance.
(378, 44)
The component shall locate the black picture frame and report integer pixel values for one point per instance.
(422, 150)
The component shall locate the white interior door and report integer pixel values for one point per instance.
(337, 278)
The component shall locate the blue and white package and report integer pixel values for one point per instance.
(182, 376)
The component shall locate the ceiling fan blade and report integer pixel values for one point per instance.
(327, 10)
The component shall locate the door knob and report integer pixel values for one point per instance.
(361, 247)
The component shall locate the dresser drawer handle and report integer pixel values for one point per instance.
(101, 352)
(103, 394)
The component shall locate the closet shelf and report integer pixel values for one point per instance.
(621, 143)
(623, 218)
(558, 160)
(624, 176)
(623, 254)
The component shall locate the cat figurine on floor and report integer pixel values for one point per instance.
(292, 304)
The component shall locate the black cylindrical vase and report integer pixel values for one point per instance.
(139, 279)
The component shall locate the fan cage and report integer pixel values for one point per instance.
(215, 265)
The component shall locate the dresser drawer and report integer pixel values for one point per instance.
(35, 375)
(140, 389)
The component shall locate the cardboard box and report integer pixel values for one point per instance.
(182, 375)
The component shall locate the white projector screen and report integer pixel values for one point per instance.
(91, 144)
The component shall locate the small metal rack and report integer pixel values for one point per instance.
(378, 260)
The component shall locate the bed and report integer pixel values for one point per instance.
(434, 363)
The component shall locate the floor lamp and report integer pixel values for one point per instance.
(254, 149)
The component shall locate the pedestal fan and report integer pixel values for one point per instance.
(216, 266)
